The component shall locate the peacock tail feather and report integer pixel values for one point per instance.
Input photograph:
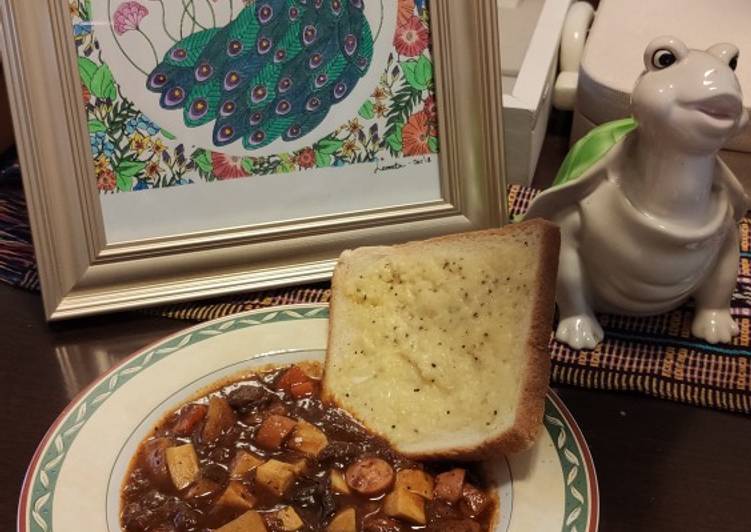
(274, 72)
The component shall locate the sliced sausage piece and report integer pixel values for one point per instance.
(381, 524)
(448, 486)
(155, 460)
(474, 502)
(273, 431)
(189, 417)
(370, 476)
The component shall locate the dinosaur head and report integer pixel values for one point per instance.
(689, 99)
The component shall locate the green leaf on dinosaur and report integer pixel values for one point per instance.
(366, 111)
(103, 84)
(202, 159)
(418, 73)
(395, 140)
(329, 145)
(95, 126)
(323, 160)
(86, 69)
(433, 144)
(168, 135)
(129, 168)
(247, 164)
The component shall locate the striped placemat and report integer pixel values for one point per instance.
(656, 355)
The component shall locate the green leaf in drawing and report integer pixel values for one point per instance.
(168, 135)
(124, 183)
(95, 126)
(366, 111)
(323, 160)
(129, 168)
(418, 73)
(103, 84)
(86, 69)
(202, 158)
(433, 144)
(248, 165)
(329, 145)
(395, 140)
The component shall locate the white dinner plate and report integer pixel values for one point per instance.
(74, 479)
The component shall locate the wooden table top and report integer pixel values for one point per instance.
(662, 466)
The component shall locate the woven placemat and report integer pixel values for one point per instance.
(656, 355)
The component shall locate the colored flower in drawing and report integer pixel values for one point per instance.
(101, 144)
(404, 11)
(227, 167)
(141, 123)
(105, 176)
(306, 158)
(411, 38)
(152, 169)
(158, 147)
(416, 134)
(139, 143)
(128, 17)
(349, 148)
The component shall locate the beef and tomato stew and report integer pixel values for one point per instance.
(264, 454)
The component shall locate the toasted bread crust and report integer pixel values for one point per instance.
(529, 414)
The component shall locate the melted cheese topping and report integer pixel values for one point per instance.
(435, 341)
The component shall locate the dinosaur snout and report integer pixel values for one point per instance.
(721, 106)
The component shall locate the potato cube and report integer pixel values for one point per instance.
(300, 466)
(344, 521)
(287, 519)
(275, 476)
(307, 439)
(236, 497)
(243, 463)
(247, 522)
(405, 505)
(338, 483)
(273, 431)
(182, 463)
(448, 486)
(219, 418)
(415, 480)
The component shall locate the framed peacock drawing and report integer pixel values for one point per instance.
(178, 149)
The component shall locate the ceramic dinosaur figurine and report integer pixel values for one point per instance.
(273, 72)
(648, 212)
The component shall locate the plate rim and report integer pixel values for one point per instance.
(22, 516)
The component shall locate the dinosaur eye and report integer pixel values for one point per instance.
(733, 63)
(663, 58)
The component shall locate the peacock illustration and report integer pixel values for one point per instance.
(274, 72)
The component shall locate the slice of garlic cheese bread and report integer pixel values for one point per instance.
(441, 346)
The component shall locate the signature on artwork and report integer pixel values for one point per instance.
(399, 165)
